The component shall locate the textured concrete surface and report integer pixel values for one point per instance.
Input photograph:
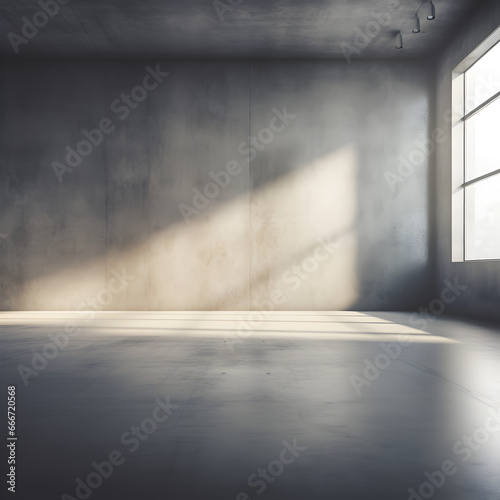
(482, 278)
(228, 28)
(290, 378)
(318, 180)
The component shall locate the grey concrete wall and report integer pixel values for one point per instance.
(482, 297)
(327, 207)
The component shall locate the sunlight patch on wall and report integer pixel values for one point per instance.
(296, 234)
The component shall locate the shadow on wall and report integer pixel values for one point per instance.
(311, 224)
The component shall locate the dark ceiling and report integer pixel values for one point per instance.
(249, 28)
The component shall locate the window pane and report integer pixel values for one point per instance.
(482, 219)
(483, 141)
(483, 79)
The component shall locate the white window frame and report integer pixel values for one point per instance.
(459, 117)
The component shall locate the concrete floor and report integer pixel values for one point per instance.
(289, 380)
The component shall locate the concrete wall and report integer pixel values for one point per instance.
(482, 296)
(328, 208)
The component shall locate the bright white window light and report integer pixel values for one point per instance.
(476, 154)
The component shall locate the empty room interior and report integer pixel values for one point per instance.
(250, 249)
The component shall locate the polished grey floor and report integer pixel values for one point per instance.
(242, 392)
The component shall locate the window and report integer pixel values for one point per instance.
(476, 154)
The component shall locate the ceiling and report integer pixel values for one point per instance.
(252, 29)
